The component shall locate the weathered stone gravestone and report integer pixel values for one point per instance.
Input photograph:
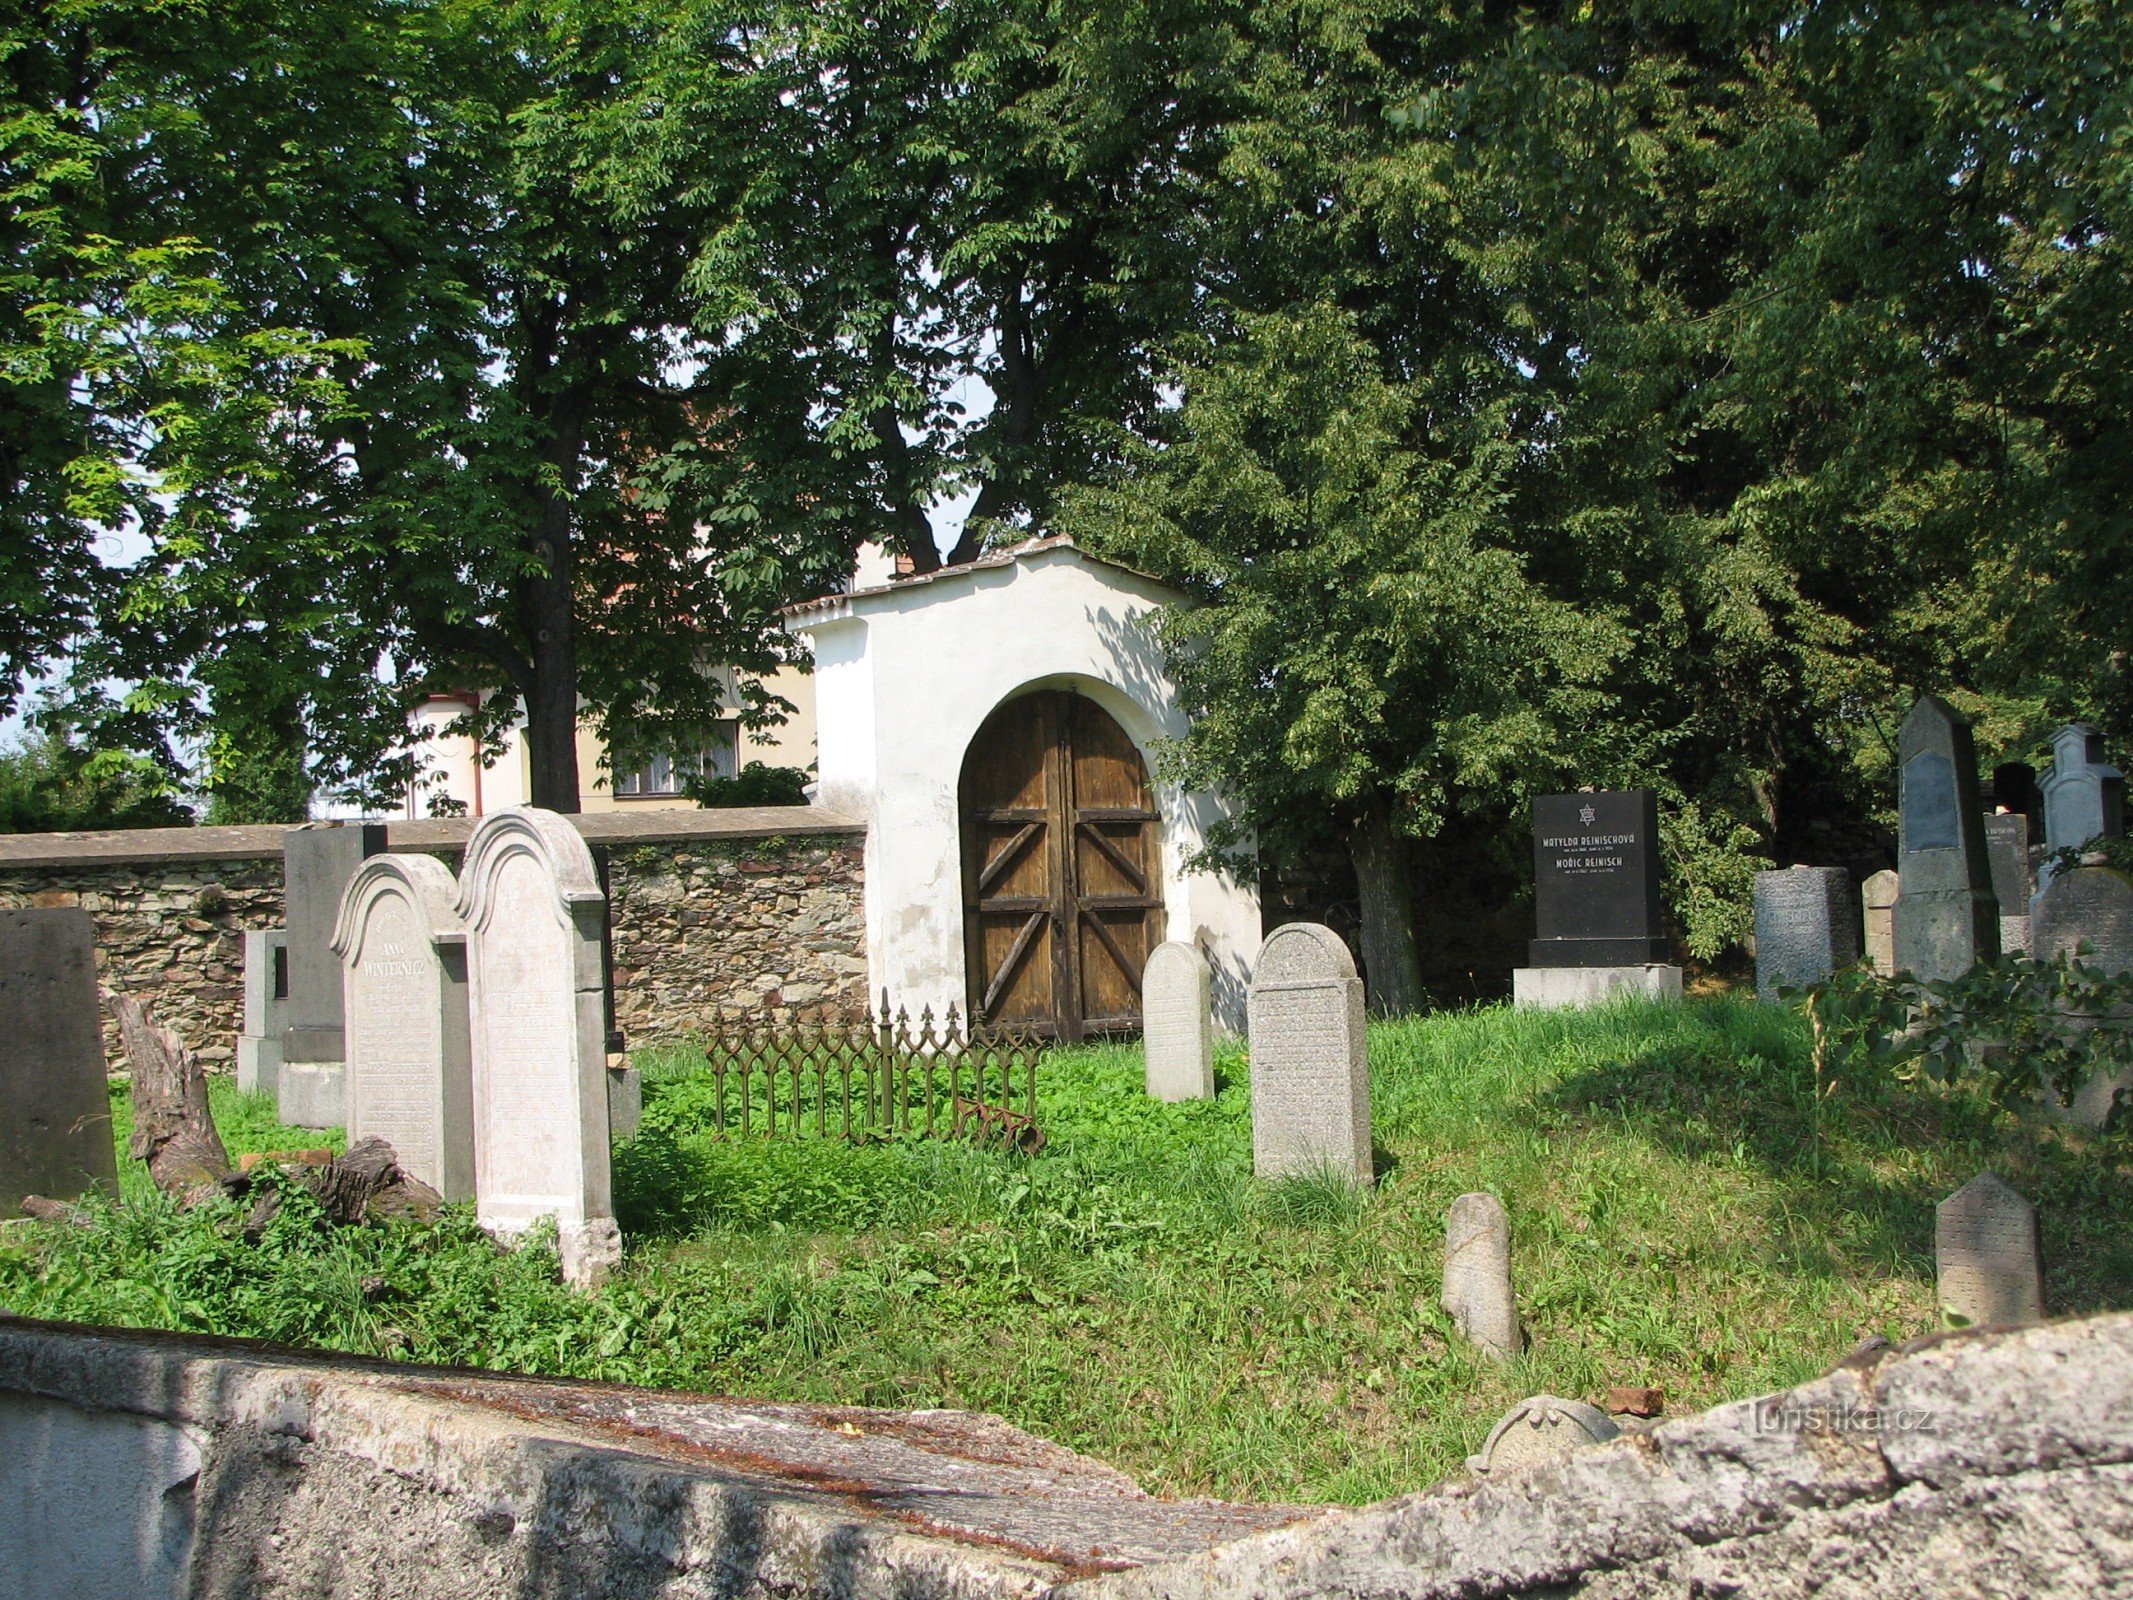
(1877, 898)
(266, 1010)
(1177, 1023)
(1989, 1259)
(1946, 917)
(1477, 1275)
(2007, 854)
(1597, 925)
(2084, 796)
(55, 1114)
(1805, 929)
(533, 912)
(317, 862)
(1539, 1432)
(404, 969)
(2090, 910)
(1310, 1071)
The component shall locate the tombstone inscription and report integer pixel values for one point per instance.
(533, 910)
(2007, 854)
(1177, 1023)
(1477, 1275)
(1310, 1072)
(1989, 1260)
(1597, 923)
(404, 965)
(55, 1131)
(1946, 917)
(1804, 927)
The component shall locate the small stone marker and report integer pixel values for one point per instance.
(1989, 1258)
(404, 964)
(1804, 927)
(1878, 901)
(1310, 1073)
(318, 859)
(533, 912)
(1477, 1275)
(1946, 917)
(266, 1010)
(2090, 906)
(1597, 925)
(1540, 1432)
(2007, 854)
(1177, 1023)
(2084, 796)
(55, 1113)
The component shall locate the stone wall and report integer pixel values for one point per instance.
(755, 913)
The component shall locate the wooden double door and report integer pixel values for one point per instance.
(1062, 868)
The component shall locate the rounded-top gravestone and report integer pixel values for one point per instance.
(1310, 1068)
(531, 901)
(1177, 1023)
(404, 968)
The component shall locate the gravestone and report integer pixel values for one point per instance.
(55, 1113)
(533, 910)
(1989, 1259)
(318, 859)
(1805, 928)
(1878, 903)
(1539, 1432)
(1177, 1023)
(1310, 1073)
(266, 1010)
(1597, 923)
(2084, 796)
(1477, 1275)
(2007, 854)
(404, 969)
(2090, 906)
(2014, 788)
(1946, 917)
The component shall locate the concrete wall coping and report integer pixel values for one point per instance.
(449, 834)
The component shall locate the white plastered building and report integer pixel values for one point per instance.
(1035, 860)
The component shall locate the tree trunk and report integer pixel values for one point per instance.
(551, 634)
(173, 1130)
(1392, 961)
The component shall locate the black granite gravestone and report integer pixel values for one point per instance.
(1596, 880)
(55, 1115)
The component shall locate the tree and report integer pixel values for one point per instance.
(1365, 646)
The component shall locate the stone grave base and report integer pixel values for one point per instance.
(1564, 988)
(258, 1064)
(312, 1094)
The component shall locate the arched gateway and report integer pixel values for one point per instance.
(1062, 868)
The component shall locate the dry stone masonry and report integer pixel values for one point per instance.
(1177, 1023)
(55, 1119)
(403, 954)
(533, 910)
(1310, 1072)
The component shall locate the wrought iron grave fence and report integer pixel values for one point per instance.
(881, 1078)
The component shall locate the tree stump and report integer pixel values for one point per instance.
(173, 1130)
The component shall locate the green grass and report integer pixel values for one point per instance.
(1135, 1293)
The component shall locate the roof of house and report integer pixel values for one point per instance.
(992, 560)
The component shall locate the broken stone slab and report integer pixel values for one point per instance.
(1477, 1293)
(322, 1474)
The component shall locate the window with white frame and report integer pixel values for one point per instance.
(668, 775)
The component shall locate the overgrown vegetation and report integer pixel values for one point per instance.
(1135, 1293)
